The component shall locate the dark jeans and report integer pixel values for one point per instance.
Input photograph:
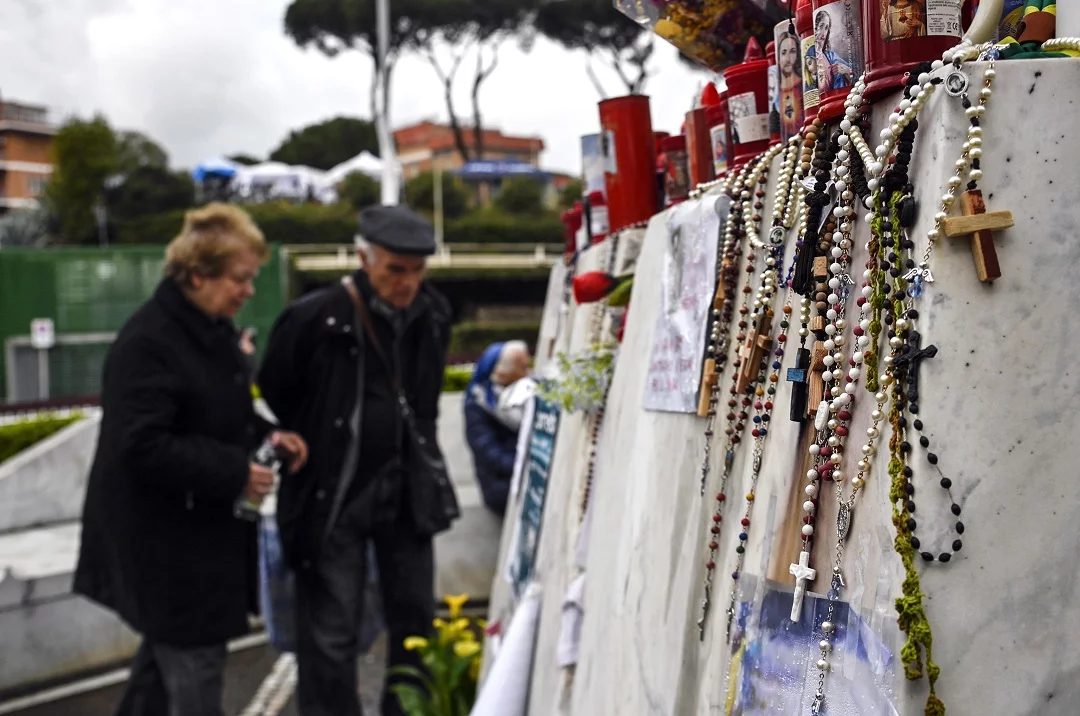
(174, 681)
(329, 603)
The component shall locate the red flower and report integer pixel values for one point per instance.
(593, 286)
(622, 325)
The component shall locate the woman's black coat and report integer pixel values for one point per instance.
(160, 543)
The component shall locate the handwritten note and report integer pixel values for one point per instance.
(687, 283)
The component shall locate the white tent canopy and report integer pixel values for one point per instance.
(278, 180)
(364, 162)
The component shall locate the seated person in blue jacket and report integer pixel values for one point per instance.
(490, 429)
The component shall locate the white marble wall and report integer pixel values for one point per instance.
(46, 483)
(999, 402)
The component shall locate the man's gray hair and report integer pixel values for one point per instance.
(364, 247)
(509, 350)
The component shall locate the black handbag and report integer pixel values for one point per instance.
(425, 469)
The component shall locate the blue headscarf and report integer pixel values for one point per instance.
(480, 385)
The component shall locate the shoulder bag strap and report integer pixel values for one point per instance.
(369, 329)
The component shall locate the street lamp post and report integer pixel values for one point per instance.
(438, 190)
(382, 105)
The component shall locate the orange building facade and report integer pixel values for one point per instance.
(26, 138)
(421, 146)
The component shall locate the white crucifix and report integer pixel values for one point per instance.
(802, 572)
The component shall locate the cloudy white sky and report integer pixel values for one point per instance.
(213, 77)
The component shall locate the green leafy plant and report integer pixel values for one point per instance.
(451, 660)
(456, 377)
(16, 437)
(582, 379)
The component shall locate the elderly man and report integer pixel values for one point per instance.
(357, 369)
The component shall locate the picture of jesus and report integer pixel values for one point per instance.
(834, 72)
(791, 101)
(902, 19)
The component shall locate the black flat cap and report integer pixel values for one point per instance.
(397, 229)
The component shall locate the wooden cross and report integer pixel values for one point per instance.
(753, 351)
(980, 225)
(799, 379)
(821, 276)
(817, 384)
(709, 378)
(802, 572)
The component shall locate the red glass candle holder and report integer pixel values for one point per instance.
(698, 147)
(572, 220)
(748, 109)
(838, 52)
(719, 135)
(626, 125)
(678, 172)
(899, 34)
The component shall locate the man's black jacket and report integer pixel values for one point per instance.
(310, 378)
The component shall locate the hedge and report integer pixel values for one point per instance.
(492, 227)
(469, 340)
(284, 223)
(16, 437)
(281, 223)
(456, 378)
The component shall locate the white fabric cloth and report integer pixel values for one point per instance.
(573, 611)
(506, 690)
(510, 406)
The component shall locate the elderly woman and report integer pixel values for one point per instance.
(491, 428)
(162, 544)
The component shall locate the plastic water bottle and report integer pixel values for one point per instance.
(267, 456)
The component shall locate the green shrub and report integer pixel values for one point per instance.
(420, 195)
(493, 227)
(359, 190)
(570, 193)
(281, 223)
(16, 437)
(284, 223)
(456, 378)
(521, 196)
(470, 339)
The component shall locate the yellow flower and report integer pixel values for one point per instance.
(439, 624)
(415, 643)
(466, 649)
(474, 668)
(456, 602)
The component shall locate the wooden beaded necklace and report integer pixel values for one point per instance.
(751, 188)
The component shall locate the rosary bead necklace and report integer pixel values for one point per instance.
(727, 280)
(846, 505)
(766, 388)
(737, 415)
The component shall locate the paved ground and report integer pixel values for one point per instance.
(465, 559)
(247, 672)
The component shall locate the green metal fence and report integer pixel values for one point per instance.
(89, 293)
